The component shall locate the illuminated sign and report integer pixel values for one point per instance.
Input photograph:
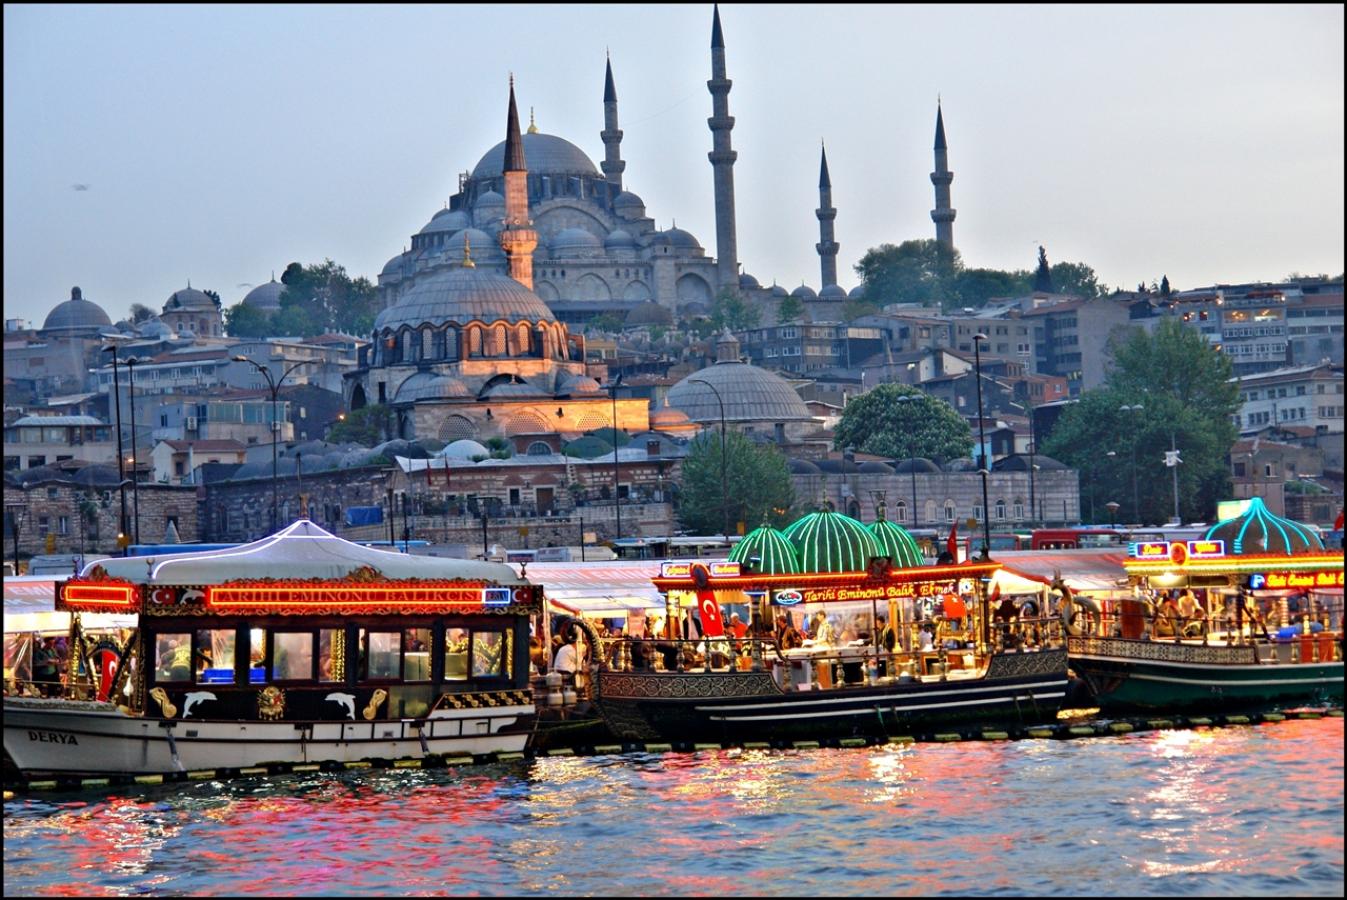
(1206, 549)
(1151, 549)
(302, 597)
(788, 598)
(496, 596)
(121, 596)
(725, 569)
(1178, 553)
(1279, 581)
(1257, 581)
(878, 592)
(675, 569)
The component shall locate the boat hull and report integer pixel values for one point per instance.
(53, 737)
(1150, 675)
(750, 706)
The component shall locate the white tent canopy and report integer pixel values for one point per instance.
(299, 551)
(600, 589)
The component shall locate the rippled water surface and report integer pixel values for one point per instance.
(1235, 811)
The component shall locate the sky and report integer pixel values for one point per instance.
(149, 146)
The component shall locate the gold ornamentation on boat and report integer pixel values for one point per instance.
(380, 695)
(165, 706)
(270, 703)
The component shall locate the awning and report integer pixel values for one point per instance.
(29, 593)
(601, 589)
(1089, 571)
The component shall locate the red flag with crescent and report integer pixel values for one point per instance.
(952, 544)
(709, 611)
(1337, 523)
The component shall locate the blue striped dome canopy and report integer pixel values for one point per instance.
(1259, 532)
(831, 542)
(897, 544)
(775, 554)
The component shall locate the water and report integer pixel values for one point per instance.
(1236, 811)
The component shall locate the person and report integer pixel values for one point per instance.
(787, 634)
(1166, 618)
(1191, 613)
(823, 630)
(536, 656)
(44, 667)
(888, 638)
(737, 626)
(927, 638)
(566, 661)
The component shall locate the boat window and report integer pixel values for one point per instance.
(215, 656)
(417, 642)
(173, 657)
(456, 654)
(488, 657)
(257, 655)
(292, 656)
(331, 654)
(381, 654)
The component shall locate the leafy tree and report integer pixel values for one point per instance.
(1164, 286)
(608, 321)
(730, 310)
(242, 320)
(1176, 361)
(912, 272)
(140, 313)
(757, 484)
(608, 435)
(1076, 279)
(855, 308)
(365, 426)
(214, 297)
(294, 320)
(329, 299)
(974, 287)
(789, 308)
(1043, 277)
(878, 422)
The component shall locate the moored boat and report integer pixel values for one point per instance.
(1257, 622)
(298, 648)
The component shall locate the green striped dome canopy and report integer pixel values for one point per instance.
(1259, 531)
(775, 554)
(897, 544)
(832, 542)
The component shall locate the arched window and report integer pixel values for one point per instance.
(949, 510)
(1001, 509)
(498, 341)
(451, 339)
(900, 511)
(928, 512)
(523, 338)
(538, 448)
(427, 343)
(1019, 510)
(410, 345)
(475, 341)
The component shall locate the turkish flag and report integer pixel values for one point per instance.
(446, 471)
(1337, 523)
(709, 611)
(952, 545)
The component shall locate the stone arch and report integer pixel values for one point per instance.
(456, 427)
(498, 342)
(523, 335)
(546, 290)
(358, 400)
(636, 290)
(591, 287)
(539, 448)
(558, 341)
(693, 288)
(525, 422)
(475, 340)
(451, 342)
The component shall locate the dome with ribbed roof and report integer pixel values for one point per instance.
(832, 292)
(429, 386)
(775, 555)
(461, 294)
(265, 296)
(463, 449)
(544, 154)
(188, 298)
(779, 291)
(629, 205)
(514, 389)
(481, 246)
(618, 239)
(76, 314)
(1261, 532)
(748, 281)
(750, 394)
(831, 542)
(897, 544)
(666, 417)
(446, 220)
(856, 293)
(804, 292)
(578, 384)
(572, 242)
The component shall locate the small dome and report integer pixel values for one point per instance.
(804, 292)
(393, 268)
(668, 417)
(803, 467)
(463, 449)
(774, 553)
(919, 464)
(960, 464)
(838, 466)
(446, 220)
(429, 386)
(488, 200)
(896, 544)
(750, 394)
(779, 291)
(629, 205)
(748, 281)
(544, 154)
(153, 328)
(265, 296)
(76, 313)
(831, 542)
(648, 313)
(481, 246)
(572, 242)
(680, 238)
(875, 468)
(619, 240)
(588, 447)
(460, 295)
(1260, 532)
(832, 292)
(188, 298)
(579, 384)
(512, 389)
(856, 293)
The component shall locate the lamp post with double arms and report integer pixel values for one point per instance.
(985, 466)
(912, 455)
(724, 493)
(121, 458)
(131, 363)
(617, 499)
(274, 386)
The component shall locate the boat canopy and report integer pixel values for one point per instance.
(298, 552)
(1084, 571)
(608, 589)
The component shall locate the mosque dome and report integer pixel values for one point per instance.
(464, 294)
(392, 269)
(804, 292)
(430, 386)
(544, 154)
(619, 240)
(750, 394)
(832, 292)
(680, 238)
(856, 293)
(463, 449)
(481, 246)
(514, 389)
(1260, 532)
(572, 242)
(489, 198)
(667, 417)
(774, 553)
(896, 544)
(648, 313)
(748, 281)
(917, 463)
(76, 313)
(779, 291)
(266, 296)
(446, 220)
(831, 542)
(803, 467)
(188, 298)
(629, 206)
(579, 384)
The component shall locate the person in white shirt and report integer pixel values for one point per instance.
(566, 661)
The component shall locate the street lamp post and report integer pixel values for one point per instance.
(121, 459)
(274, 386)
(911, 455)
(617, 499)
(724, 494)
(984, 468)
(1112, 507)
(131, 363)
(1135, 505)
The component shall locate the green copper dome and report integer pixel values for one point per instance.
(832, 542)
(775, 554)
(897, 544)
(1259, 532)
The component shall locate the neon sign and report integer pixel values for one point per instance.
(1150, 549)
(675, 569)
(725, 569)
(1206, 549)
(82, 596)
(263, 596)
(496, 596)
(1278, 581)
(787, 598)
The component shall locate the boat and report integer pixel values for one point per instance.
(1264, 627)
(864, 582)
(299, 648)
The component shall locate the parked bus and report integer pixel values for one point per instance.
(682, 547)
(1076, 538)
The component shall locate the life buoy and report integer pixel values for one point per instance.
(1027, 608)
(1069, 612)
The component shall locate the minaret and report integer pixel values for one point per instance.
(722, 160)
(517, 238)
(942, 215)
(612, 164)
(826, 246)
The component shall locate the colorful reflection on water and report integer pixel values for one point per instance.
(1236, 811)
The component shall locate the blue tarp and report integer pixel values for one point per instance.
(364, 515)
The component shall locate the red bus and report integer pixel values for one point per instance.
(1076, 538)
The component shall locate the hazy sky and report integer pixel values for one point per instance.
(220, 143)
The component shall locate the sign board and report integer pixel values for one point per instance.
(675, 569)
(787, 598)
(1280, 581)
(1206, 549)
(724, 569)
(1153, 550)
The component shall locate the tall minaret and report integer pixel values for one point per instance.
(722, 160)
(942, 215)
(826, 246)
(517, 238)
(612, 164)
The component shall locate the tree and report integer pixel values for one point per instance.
(974, 287)
(329, 299)
(757, 481)
(855, 308)
(1175, 360)
(732, 311)
(789, 308)
(912, 272)
(140, 313)
(877, 422)
(1043, 277)
(215, 298)
(242, 320)
(610, 322)
(1164, 286)
(365, 426)
(1076, 279)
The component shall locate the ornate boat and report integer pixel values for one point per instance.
(1263, 625)
(298, 648)
(865, 668)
